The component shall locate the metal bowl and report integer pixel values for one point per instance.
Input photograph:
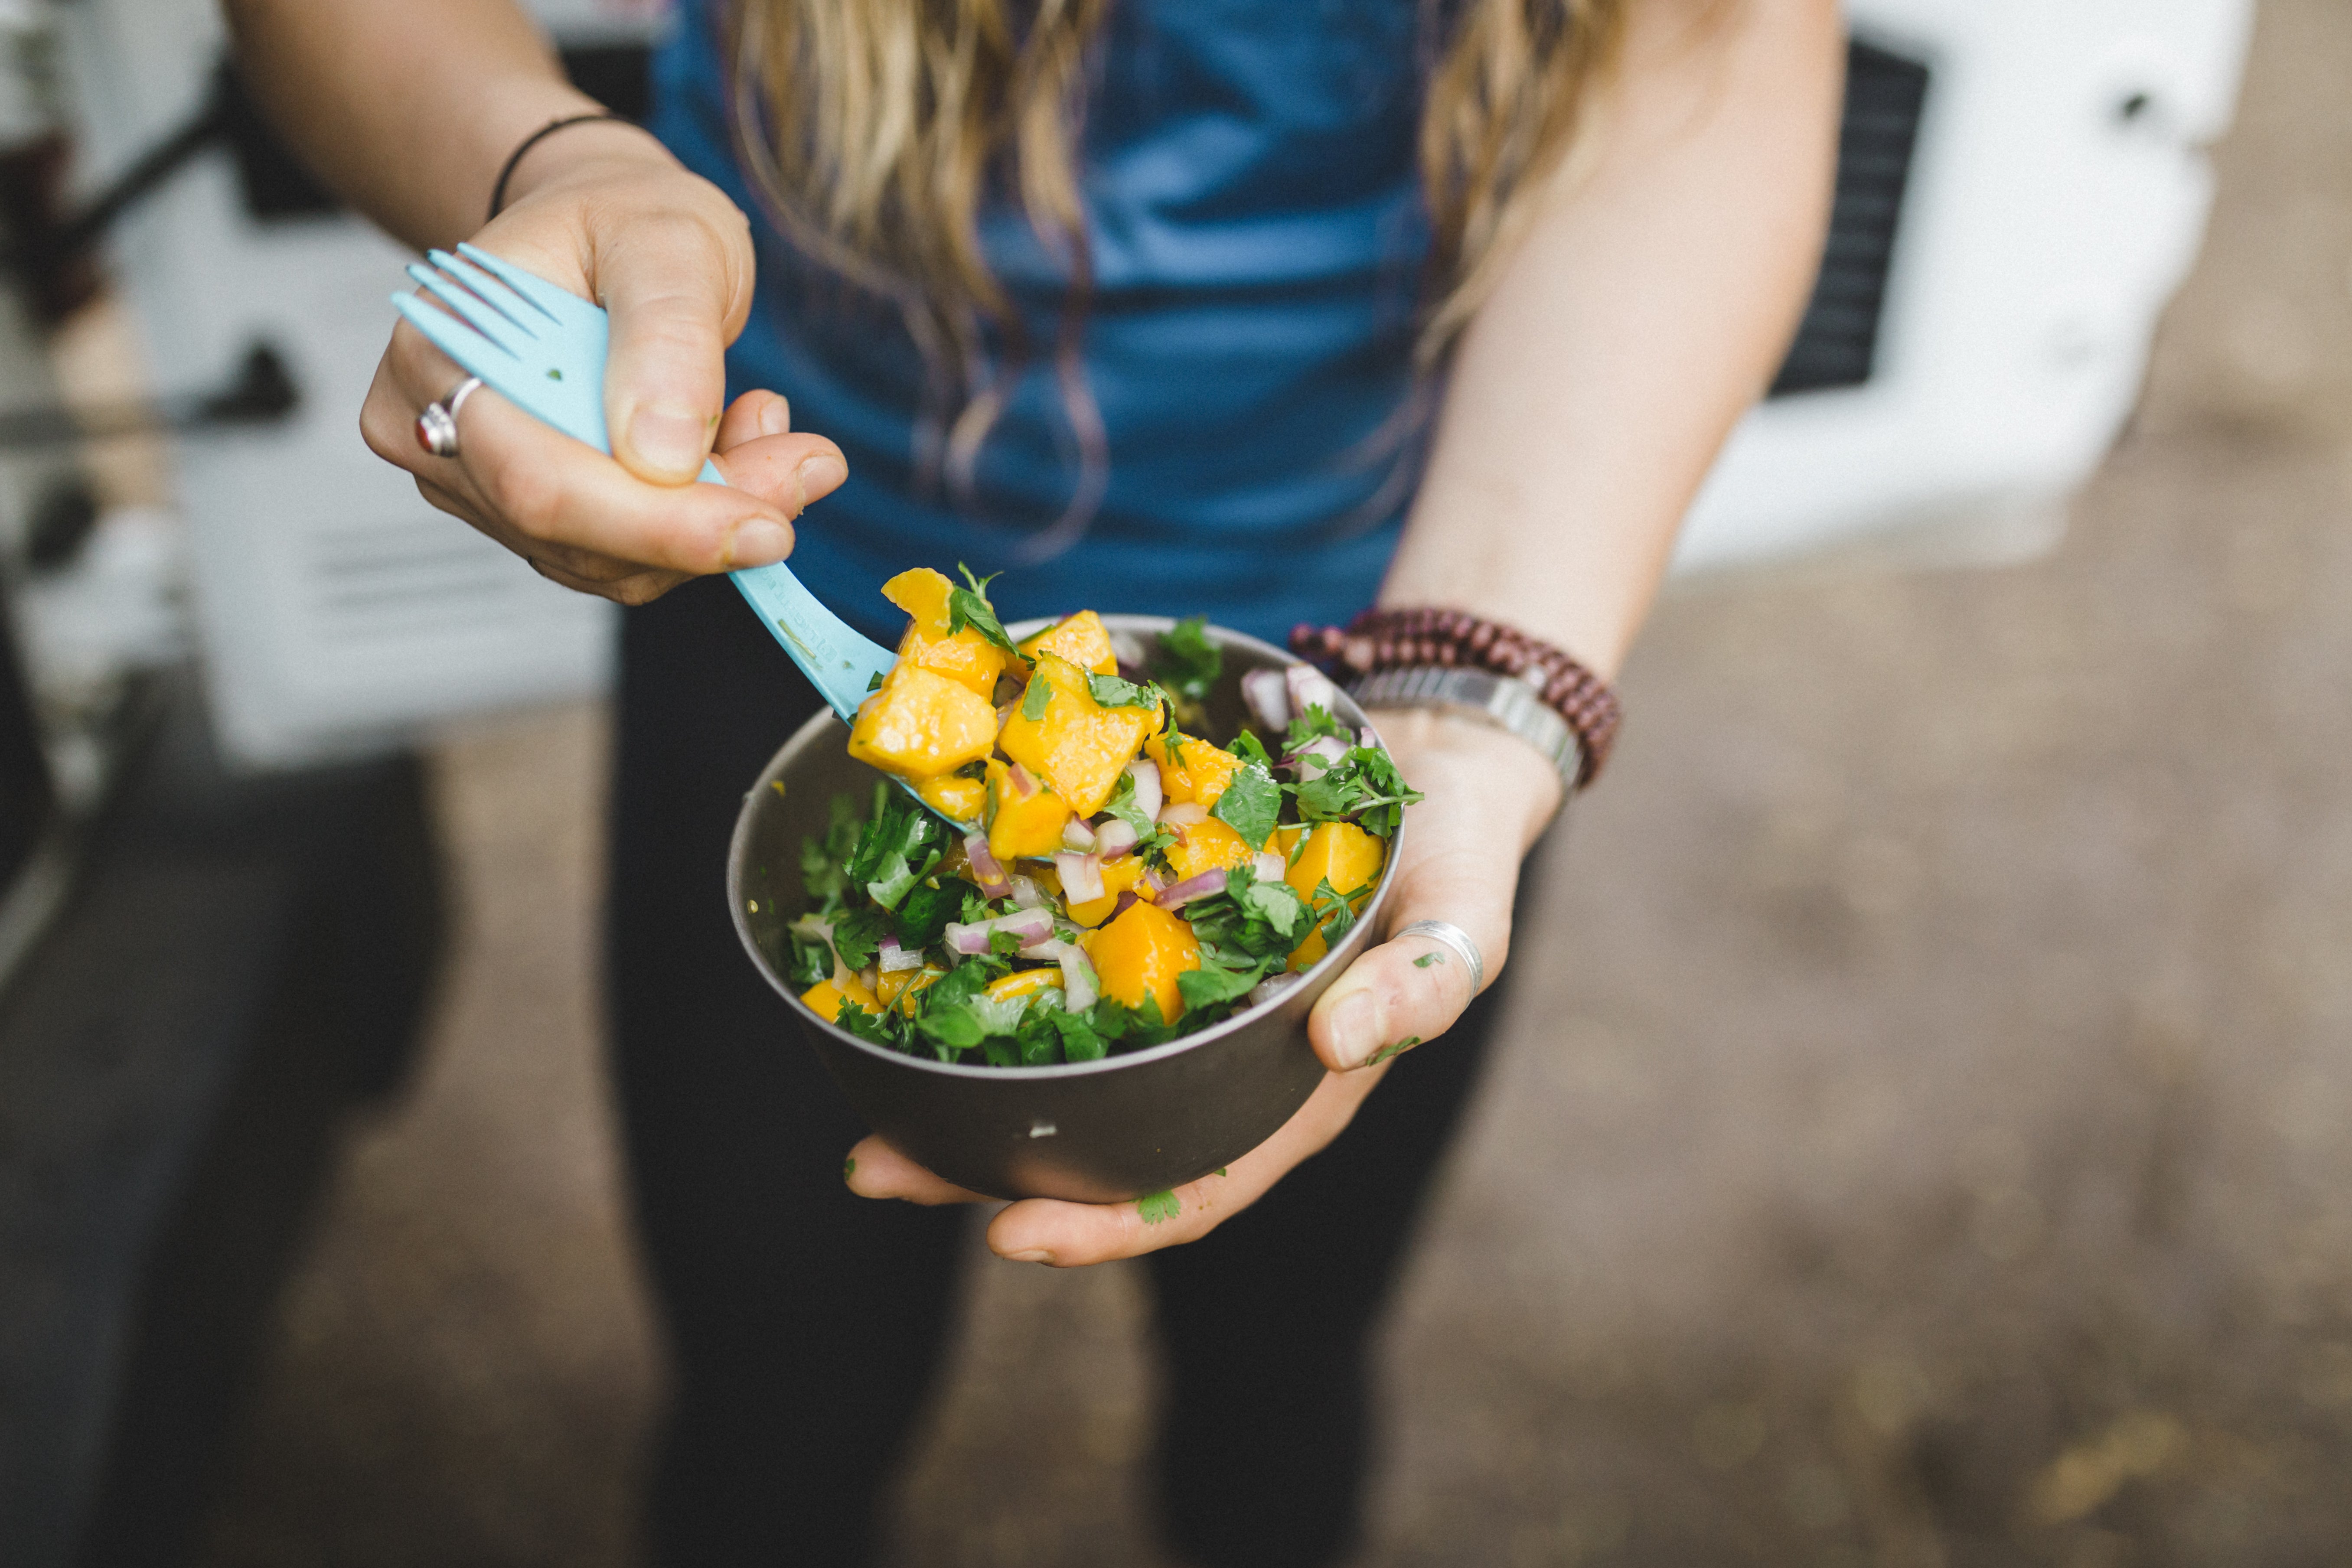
(1092, 1131)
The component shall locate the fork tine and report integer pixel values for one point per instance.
(559, 305)
(451, 336)
(492, 324)
(491, 292)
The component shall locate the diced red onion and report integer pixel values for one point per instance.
(1147, 795)
(1191, 888)
(1155, 881)
(1326, 749)
(971, 941)
(1184, 814)
(1026, 894)
(992, 875)
(1370, 742)
(890, 957)
(1270, 866)
(1126, 902)
(1114, 839)
(1310, 687)
(1267, 691)
(1079, 984)
(1271, 986)
(1081, 877)
(1078, 838)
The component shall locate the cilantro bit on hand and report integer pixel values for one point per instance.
(1156, 1206)
(968, 606)
(1426, 959)
(1395, 1049)
(1188, 662)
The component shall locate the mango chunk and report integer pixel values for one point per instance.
(1338, 852)
(825, 998)
(1078, 746)
(1124, 875)
(1208, 846)
(1080, 639)
(1190, 768)
(1142, 953)
(901, 986)
(919, 725)
(966, 658)
(1023, 983)
(952, 795)
(922, 592)
(1024, 817)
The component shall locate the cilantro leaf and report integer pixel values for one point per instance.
(1394, 1048)
(1364, 788)
(1426, 959)
(810, 964)
(858, 934)
(821, 859)
(1334, 916)
(874, 681)
(1150, 838)
(900, 843)
(1033, 701)
(968, 606)
(1210, 986)
(1110, 692)
(1251, 805)
(1134, 1027)
(875, 1030)
(1314, 724)
(1188, 660)
(1080, 1043)
(1256, 920)
(1003, 945)
(924, 913)
(1157, 1206)
(1247, 747)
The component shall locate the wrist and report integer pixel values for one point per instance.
(579, 151)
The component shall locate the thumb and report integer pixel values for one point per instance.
(1410, 988)
(678, 295)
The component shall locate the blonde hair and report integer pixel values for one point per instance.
(872, 130)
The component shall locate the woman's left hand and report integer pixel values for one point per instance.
(1489, 795)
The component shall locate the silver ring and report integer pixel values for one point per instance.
(1447, 934)
(436, 426)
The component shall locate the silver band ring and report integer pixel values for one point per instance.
(1445, 933)
(436, 427)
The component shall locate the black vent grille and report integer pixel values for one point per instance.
(1839, 337)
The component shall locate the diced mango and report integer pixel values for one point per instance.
(1142, 953)
(954, 796)
(966, 658)
(1124, 875)
(1208, 846)
(1309, 953)
(825, 998)
(903, 986)
(1339, 852)
(1078, 746)
(1024, 817)
(1023, 983)
(919, 725)
(1192, 769)
(1080, 639)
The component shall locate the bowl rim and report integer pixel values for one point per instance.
(738, 847)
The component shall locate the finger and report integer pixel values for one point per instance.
(1410, 990)
(670, 284)
(788, 472)
(876, 1170)
(1067, 1235)
(755, 413)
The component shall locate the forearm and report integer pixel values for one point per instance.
(1644, 310)
(409, 110)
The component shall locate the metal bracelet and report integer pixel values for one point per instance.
(1503, 702)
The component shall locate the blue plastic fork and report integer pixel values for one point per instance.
(543, 349)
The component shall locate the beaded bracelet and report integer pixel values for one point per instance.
(1379, 641)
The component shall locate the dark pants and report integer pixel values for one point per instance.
(806, 1322)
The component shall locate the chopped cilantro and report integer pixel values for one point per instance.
(1363, 787)
(1189, 661)
(866, 1025)
(1395, 1048)
(1033, 701)
(968, 606)
(1334, 914)
(1247, 747)
(1111, 691)
(858, 934)
(924, 913)
(874, 681)
(1210, 986)
(1314, 724)
(848, 1168)
(811, 963)
(821, 859)
(1256, 920)
(1251, 805)
(1157, 1206)
(1426, 959)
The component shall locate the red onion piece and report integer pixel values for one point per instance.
(1326, 749)
(1310, 687)
(1079, 984)
(1270, 866)
(1267, 691)
(1114, 839)
(1126, 901)
(1029, 925)
(1184, 814)
(1027, 894)
(890, 957)
(1191, 888)
(1366, 738)
(992, 875)
(1078, 838)
(1147, 795)
(1271, 986)
(1081, 877)
(970, 941)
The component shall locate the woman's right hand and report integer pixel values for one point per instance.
(604, 210)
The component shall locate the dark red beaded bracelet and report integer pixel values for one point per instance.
(1423, 636)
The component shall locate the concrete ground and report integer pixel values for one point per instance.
(1922, 1143)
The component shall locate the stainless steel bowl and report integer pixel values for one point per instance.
(1094, 1132)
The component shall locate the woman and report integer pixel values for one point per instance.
(1262, 311)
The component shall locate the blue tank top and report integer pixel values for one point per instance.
(1257, 234)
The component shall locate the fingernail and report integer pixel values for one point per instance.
(1355, 1028)
(819, 475)
(671, 439)
(758, 541)
(775, 417)
(1035, 1255)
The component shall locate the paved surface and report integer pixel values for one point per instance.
(1925, 1145)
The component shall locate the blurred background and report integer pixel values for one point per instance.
(1921, 1136)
